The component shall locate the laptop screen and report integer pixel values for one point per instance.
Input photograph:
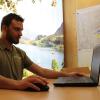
(95, 64)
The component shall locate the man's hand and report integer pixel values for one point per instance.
(75, 74)
(29, 83)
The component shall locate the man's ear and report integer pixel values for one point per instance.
(4, 28)
(4, 31)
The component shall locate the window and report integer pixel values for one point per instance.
(42, 38)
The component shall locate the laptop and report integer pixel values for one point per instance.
(92, 80)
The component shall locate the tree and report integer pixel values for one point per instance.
(55, 65)
(11, 4)
(27, 73)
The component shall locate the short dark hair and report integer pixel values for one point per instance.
(6, 20)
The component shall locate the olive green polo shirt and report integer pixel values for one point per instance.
(12, 62)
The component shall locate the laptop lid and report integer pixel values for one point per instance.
(95, 64)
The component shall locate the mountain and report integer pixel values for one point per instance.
(60, 30)
(54, 40)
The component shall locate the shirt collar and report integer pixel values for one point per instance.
(3, 46)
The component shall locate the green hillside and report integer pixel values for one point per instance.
(55, 41)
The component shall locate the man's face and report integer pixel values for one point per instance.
(14, 31)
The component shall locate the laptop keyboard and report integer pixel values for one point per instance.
(75, 79)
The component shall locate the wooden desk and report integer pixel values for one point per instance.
(54, 93)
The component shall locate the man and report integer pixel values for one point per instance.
(13, 59)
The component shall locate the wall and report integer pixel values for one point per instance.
(86, 3)
(70, 37)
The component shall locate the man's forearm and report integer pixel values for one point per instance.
(47, 73)
(53, 74)
(6, 83)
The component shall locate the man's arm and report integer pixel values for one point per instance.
(47, 73)
(7, 83)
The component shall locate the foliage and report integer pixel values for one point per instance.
(1, 2)
(26, 73)
(11, 4)
(55, 65)
(54, 41)
(34, 1)
(40, 37)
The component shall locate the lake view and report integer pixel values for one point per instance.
(42, 56)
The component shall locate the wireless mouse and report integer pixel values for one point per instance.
(42, 87)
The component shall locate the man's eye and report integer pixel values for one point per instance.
(17, 29)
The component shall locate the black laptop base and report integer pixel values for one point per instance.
(76, 85)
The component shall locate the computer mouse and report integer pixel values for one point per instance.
(42, 87)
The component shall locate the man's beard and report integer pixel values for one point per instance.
(11, 39)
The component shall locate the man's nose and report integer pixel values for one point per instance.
(20, 33)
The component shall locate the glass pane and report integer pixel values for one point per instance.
(42, 38)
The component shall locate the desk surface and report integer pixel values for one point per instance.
(54, 93)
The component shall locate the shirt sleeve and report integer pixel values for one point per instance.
(27, 62)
